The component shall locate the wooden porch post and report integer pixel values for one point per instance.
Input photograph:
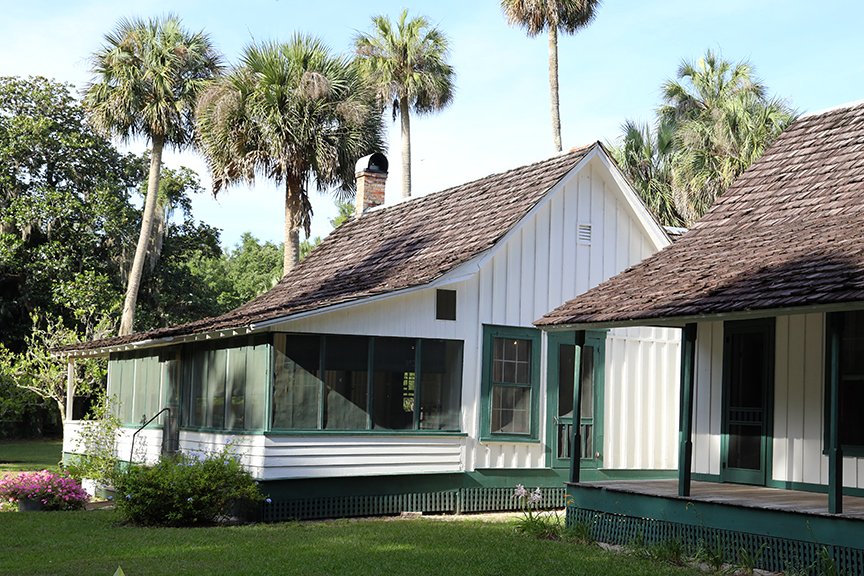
(685, 426)
(576, 428)
(70, 387)
(835, 452)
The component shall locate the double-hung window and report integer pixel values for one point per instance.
(511, 381)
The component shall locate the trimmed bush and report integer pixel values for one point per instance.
(185, 491)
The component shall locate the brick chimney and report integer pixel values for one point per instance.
(371, 174)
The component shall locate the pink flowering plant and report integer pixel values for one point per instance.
(54, 491)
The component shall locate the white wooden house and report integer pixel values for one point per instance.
(769, 290)
(397, 366)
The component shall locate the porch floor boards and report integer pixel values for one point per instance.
(739, 495)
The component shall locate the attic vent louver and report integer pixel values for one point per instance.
(583, 233)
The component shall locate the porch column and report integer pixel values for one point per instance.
(685, 425)
(576, 428)
(70, 387)
(835, 452)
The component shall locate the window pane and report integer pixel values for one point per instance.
(511, 361)
(345, 379)
(441, 385)
(297, 387)
(511, 410)
(393, 383)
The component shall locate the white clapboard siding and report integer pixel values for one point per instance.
(148, 445)
(641, 398)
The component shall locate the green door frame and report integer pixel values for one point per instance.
(596, 339)
(763, 327)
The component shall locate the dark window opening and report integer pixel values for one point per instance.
(445, 306)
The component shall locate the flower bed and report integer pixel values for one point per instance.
(50, 490)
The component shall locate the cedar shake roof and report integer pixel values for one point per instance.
(788, 233)
(409, 244)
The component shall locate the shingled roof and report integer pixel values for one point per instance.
(788, 233)
(389, 249)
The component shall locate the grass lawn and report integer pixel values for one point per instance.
(92, 543)
(20, 455)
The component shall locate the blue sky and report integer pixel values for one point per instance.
(609, 72)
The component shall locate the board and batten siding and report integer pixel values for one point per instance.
(641, 398)
(539, 264)
(799, 402)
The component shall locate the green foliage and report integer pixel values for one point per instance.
(97, 444)
(406, 64)
(713, 556)
(64, 210)
(296, 113)
(716, 119)
(184, 490)
(38, 371)
(533, 522)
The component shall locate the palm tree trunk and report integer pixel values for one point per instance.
(134, 281)
(553, 86)
(406, 147)
(291, 249)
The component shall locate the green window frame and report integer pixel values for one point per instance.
(850, 325)
(511, 370)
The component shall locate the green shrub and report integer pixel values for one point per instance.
(185, 491)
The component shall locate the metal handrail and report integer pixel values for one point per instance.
(134, 434)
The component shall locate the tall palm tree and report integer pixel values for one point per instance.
(148, 76)
(552, 16)
(289, 112)
(407, 65)
(723, 121)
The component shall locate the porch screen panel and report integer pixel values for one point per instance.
(257, 384)
(440, 385)
(297, 388)
(121, 388)
(746, 391)
(235, 389)
(218, 362)
(511, 386)
(346, 365)
(394, 383)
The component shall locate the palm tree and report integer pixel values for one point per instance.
(407, 65)
(567, 16)
(645, 157)
(148, 76)
(289, 112)
(723, 121)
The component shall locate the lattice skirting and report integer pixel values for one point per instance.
(444, 502)
(769, 553)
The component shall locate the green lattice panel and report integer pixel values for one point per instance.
(501, 499)
(771, 553)
(347, 506)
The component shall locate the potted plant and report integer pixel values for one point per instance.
(43, 491)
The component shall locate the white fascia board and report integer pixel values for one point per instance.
(649, 223)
